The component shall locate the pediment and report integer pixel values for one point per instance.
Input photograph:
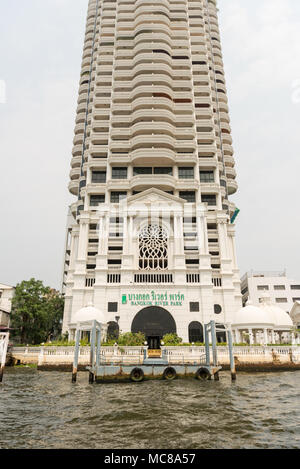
(155, 196)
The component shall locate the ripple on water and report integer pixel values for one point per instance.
(44, 410)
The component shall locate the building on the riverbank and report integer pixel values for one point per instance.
(263, 324)
(6, 295)
(151, 243)
(282, 290)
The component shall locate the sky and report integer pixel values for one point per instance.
(40, 58)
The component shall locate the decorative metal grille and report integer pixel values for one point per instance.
(153, 245)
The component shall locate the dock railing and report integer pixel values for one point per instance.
(183, 354)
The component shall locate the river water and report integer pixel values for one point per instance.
(44, 410)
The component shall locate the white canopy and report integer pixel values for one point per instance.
(89, 313)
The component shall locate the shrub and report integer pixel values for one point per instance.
(172, 339)
(130, 339)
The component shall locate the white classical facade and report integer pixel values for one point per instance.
(150, 239)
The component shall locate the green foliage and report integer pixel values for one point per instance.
(172, 339)
(130, 339)
(37, 312)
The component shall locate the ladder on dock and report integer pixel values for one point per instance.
(4, 337)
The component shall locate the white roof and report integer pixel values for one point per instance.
(280, 317)
(252, 315)
(266, 314)
(89, 313)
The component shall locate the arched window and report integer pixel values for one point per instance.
(153, 246)
(195, 332)
(113, 330)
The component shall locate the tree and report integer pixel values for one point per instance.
(37, 312)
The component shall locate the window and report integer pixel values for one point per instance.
(207, 176)
(168, 171)
(192, 261)
(209, 199)
(195, 332)
(188, 196)
(99, 177)
(279, 287)
(97, 199)
(217, 309)
(296, 299)
(153, 245)
(186, 173)
(138, 171)
(119, 173)
(112, 307)
(262, 287)
(114, 262)
(295, 287)
(281, 300)
(194, 307)
(116, 197)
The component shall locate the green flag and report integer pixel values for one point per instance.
(237, 211)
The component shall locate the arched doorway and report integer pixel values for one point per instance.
(195, 332)
(154, 322)
(113, 330)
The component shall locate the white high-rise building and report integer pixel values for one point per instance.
(283, 291)
(151, 243)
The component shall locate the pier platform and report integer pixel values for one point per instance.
(154, 364)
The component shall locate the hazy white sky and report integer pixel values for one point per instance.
(40, 56)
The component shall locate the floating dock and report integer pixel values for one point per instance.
(155, 363)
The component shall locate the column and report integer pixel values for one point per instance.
(125, 235)
(176, 221)
(181, 237)
(101, 235)
(223, 239)
(251, 336)
(83, 240)
(131, 234)
(273, 336)
(265, 337)
(202, 235)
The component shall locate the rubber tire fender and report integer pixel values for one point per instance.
(203, 374)
(169, 374)
(137, 375)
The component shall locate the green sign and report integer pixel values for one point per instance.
(153, 299)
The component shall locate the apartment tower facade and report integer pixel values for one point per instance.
(150, 241)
